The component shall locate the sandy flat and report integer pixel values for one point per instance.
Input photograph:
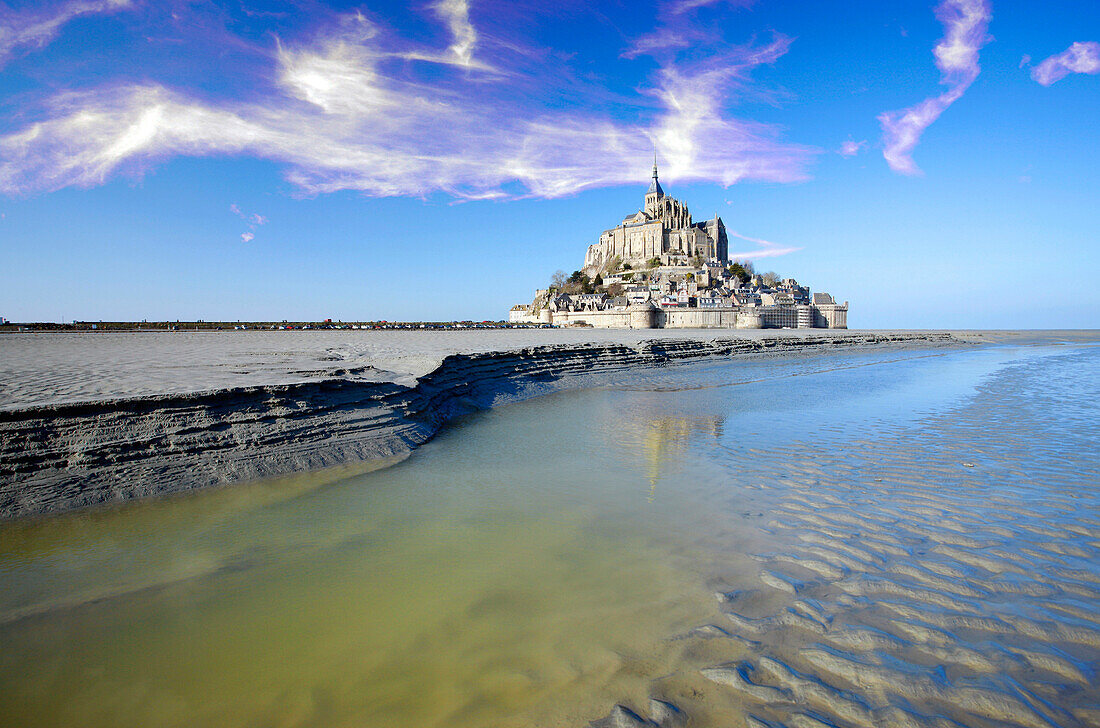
(54, 368)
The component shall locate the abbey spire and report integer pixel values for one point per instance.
(654, 193)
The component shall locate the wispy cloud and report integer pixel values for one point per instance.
(851, 148)
(342, 116)
(678, 28)
(35, 28)
(456, 13)
(683, 6)
(254, 220)
(965, 23)
(767, 248)
(1078, 58)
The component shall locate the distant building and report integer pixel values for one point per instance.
(667, 271)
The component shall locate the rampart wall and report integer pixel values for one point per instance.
(767, 317)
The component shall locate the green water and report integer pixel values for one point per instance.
(504, 575)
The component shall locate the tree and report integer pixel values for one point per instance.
(627, 266)
(598, 281)
(628, 276)
(558, 280)
(654, 262)
(578, 282)
(615, 289)
(691, 276)
(770, 278)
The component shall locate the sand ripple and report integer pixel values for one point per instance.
(932, 575)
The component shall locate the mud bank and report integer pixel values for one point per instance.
(65, 456)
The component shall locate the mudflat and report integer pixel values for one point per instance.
(96, 418)
(893, 534)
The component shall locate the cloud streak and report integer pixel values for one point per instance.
(36, 29)
(965, 23)
(345, 113)
(456, 13)
(1078, 58)
(767, 248)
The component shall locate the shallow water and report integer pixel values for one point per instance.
(893, 538)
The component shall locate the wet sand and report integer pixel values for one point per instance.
(39, 369)
(889, 537)
(944, 574)
(90, 419)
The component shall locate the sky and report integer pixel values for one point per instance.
(937, 165)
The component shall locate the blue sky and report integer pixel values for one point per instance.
(935, 164)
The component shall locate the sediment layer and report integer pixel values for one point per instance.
(61, 457)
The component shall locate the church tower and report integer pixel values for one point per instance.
(654, 193)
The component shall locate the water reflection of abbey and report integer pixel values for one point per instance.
(660, 438)
(658, 268)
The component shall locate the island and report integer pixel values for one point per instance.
(659, 269)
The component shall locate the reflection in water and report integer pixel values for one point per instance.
(471, 585)
(665, 437)
(899, 543)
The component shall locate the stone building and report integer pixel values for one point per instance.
(663, 229)
(691, 284)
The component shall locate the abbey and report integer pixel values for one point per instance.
(663, 229)
(659, 269)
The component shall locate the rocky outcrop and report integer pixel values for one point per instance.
(62, 457)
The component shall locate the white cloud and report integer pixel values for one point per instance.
(36, 28)
(250, 218)
(1078, 58)
(767, 248)
(965, 23)
(456, 13)
(851, 148)
(683, 6)
(253, 219)
(678, 28)
(340, 119)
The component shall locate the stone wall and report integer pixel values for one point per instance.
(596, 319)
(766, 317)
(831, 316)
(523, 316)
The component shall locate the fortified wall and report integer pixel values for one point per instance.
(643, 316)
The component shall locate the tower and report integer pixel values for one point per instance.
(654, 193)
